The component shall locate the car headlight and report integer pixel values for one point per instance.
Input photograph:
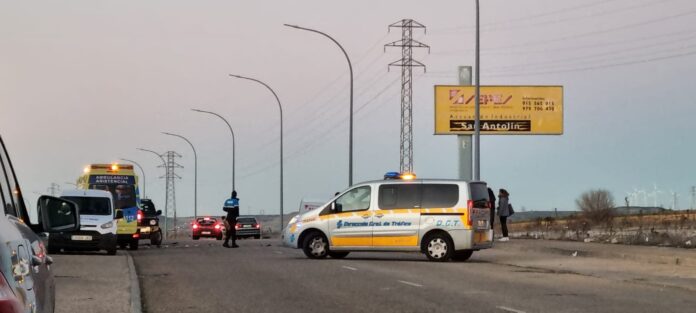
(107, 225)
(153, 222)
(293, 220)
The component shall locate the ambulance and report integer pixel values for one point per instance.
(120, 180)
(444, 219)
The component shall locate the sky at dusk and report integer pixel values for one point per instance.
(91, 81)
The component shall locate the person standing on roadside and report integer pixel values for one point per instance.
(491, 199)
(504, 212)
(232, 209)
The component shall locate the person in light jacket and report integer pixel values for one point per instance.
(504, 212)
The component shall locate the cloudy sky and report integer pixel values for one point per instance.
(90, 81)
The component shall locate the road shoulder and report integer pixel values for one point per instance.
(94, 283)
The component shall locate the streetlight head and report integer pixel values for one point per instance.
(196, 110)
(290, 25)
(233, 75)
(166, 133)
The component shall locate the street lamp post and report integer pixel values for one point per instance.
(141, 170)
(234, 149)
(166, 205)
(350, 67)
(280, 107)
(195, 174)
(477, 103)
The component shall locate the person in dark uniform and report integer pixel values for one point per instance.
(232, 209)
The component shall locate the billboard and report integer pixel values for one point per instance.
(505, 110)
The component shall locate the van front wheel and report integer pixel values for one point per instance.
(438, 247)
(315, 246)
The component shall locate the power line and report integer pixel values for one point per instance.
(592, 33)
(593, 45)
(591, 15)
(603, 66)
(528, 17)
(565, 61)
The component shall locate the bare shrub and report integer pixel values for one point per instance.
(597, 206)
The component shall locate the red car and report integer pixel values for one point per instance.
(207, 227)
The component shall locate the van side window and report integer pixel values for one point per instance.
(354, 200)
(399, 196)
(440, 195)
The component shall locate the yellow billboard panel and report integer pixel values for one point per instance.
(505, 110)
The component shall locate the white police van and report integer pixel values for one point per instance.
(97, 225)
(445, 219)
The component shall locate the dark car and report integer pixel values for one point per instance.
(26, 279)
(248, 227)
(148, 223)
(207, 227)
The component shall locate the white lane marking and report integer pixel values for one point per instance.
(410, 283)
(504, 308)
(349, 268)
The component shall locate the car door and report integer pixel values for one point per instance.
(397, 217)
(26, 249)
(350, 221)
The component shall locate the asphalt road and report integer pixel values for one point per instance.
(261, 276)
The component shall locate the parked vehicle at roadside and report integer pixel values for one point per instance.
(207, 227)
(247, 227)
(148, 223)
(27, 283)
(120, 180)
(97, 224)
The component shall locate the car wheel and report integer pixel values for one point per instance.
(156, 239)
(315, 246)
(338, 254)
(219, 237)
(462, 255)
(134, 244)
(438, 247)
(196, 237)
(257, 237)
(111, 251)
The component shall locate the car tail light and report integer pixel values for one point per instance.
(217, 226)
(140, 216)
(470, 208)
(195, 226)
(136, 235)
(8, 301)
(257, 226)
(237, 226)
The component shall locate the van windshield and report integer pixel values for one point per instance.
(91, 205)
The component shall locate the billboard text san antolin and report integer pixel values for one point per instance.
(505, 110)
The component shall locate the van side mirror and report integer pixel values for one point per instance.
(58, 215)
(119, 214)
(159, 212)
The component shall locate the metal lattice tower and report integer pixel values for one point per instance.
(407, 43)
(170, 177)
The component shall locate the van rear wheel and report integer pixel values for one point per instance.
(315, 246)
(438, 247)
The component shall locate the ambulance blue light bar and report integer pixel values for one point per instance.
(397, 175)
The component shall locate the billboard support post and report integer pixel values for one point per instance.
(464, 142)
